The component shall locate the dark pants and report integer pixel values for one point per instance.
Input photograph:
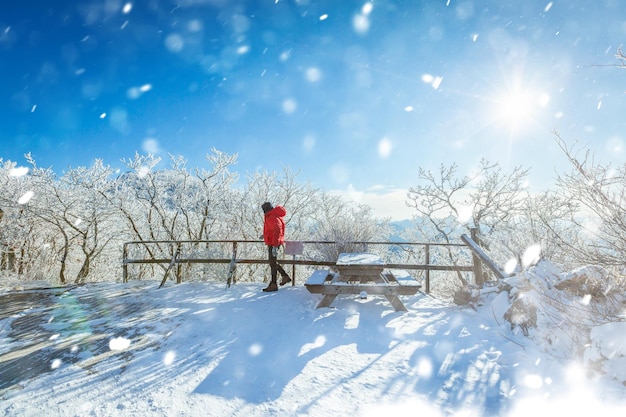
(274, 266)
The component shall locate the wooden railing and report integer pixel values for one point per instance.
(175, 253)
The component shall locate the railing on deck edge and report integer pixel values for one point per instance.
(177, 259)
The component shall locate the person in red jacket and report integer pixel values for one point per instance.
(274, 237)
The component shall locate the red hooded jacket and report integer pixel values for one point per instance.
(274, 226)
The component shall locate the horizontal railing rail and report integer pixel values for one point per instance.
(154, 252)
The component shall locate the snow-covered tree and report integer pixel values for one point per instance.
(175, 204)
(481, 204)
(599, 191)
(36, 248)
(346, 224)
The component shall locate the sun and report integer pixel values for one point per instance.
(517, 108)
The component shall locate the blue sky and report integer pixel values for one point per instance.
(354, 94)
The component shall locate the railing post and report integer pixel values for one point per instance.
(427, 263)
(233, 266)
(179, 248)
(124, 264)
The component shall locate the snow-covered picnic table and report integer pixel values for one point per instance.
(362, 273)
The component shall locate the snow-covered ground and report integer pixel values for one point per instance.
(201, 349)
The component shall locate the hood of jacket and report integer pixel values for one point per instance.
(278, 211)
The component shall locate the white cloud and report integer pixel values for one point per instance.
(389, 203)
(385, 202)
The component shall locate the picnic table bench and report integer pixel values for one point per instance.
(359, 273)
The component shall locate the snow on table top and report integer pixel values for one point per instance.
(359, 259)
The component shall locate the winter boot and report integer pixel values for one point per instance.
(271, 287)
(285, 280)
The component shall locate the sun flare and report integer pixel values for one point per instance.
(515, 106)
(518, 107)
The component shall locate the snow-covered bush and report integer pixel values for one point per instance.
(563, 311)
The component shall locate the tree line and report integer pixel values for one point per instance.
(70, 228)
